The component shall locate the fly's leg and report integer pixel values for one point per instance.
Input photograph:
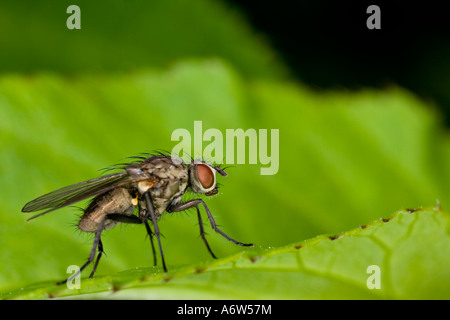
(200, 223)
(136, 220)
(100, 252)
(195, 203)
(150, 234)
(116, 217)
(202, 232)
(98, 243)
(142, 215)
(150, 214)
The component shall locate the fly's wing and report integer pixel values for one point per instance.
(77, 192)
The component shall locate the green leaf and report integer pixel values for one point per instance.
(410, 252)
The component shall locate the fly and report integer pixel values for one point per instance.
(153, 185)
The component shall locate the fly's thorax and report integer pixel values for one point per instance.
(168, 180)
(163, 167)
(116, 201)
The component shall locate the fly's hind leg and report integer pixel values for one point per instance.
(115, 217)
(98, 243)
(100, 252)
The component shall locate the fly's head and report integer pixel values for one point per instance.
(202, 177)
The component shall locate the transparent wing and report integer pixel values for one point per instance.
(74, 193)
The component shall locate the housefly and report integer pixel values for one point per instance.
(152, 184)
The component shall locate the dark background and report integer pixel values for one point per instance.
(326, 44)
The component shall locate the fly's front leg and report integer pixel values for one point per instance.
(202, 232)
(195, 203)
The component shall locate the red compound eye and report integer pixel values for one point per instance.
(205, 175)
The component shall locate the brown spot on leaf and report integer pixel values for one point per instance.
(115, 288)
(254, 259)
(200, 269)
(337, 236)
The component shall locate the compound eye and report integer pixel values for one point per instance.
(205, 175)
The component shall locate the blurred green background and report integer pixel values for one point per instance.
(75, 101)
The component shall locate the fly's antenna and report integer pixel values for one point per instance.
(221, 171)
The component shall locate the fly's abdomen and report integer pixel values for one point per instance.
(116, 201)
